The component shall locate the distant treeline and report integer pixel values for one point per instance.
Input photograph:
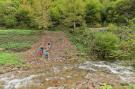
(71, 13)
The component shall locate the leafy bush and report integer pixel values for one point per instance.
(93, 15)
(24, 19)
(7, 13)
(10, 21)
(106, 86)
(126, 45)
(105, 43)
(112, 42)
(132, 22)
(123, 7)
(129, 86)
(13, 16)
(82, 38)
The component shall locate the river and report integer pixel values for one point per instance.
(70, 76)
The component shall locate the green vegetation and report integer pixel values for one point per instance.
(105, 43)
(16, 46)
(17, 40)
(75, 13)
(106, 86)
(9, 58)
(16, 31)
(130, 86)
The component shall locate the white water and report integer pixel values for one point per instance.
(10, 83)
(125, 73)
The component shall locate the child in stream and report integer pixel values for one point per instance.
(40, 51)
(49, 45)
(46, 50)
(46, 53)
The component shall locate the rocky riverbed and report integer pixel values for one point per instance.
(87, 75)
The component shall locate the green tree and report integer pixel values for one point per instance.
(125, 10)
(69, 12)
(24, 13)
(105, 44)
(7, 13)
(41, 13)
(93, 8)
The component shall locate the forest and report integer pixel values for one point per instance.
(101, 30)
(74, 13)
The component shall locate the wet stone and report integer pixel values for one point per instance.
(56, 87)
(56, 70)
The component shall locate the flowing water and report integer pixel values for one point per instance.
(10, 83)
(98, 71)
(125, 73)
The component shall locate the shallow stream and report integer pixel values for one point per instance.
(70, 76)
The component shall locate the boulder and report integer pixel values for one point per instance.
(2, 49)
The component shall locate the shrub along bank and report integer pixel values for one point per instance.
(105, 43)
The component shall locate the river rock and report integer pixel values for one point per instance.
(2, 49)
(88, 76)
(82, 85)
(56, 87)
(2, 71)
(56, 70)
(90, 85)
(13, 69)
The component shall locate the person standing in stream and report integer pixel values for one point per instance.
(40, 51)
(49, 45)
(46, 53)
(46, 50)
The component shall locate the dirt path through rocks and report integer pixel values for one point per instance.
(61, 49)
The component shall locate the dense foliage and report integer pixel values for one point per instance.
(71, 13)
(106, 43)
(107, 86)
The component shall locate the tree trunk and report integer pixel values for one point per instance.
(74, 25)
